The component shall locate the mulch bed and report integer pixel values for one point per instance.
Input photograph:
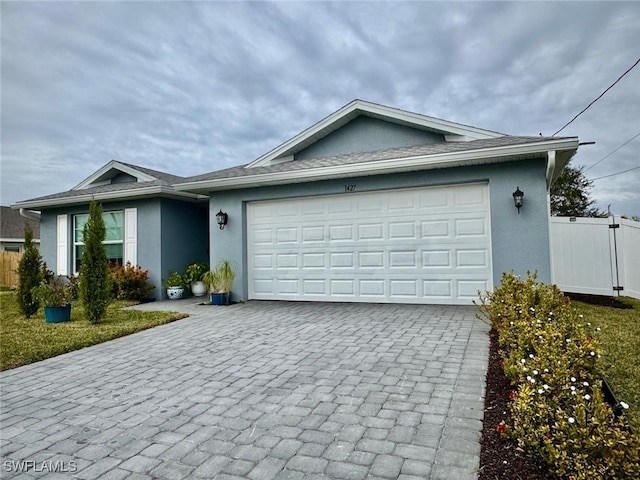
(501, 458)
(601, 300)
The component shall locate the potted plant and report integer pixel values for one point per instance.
(55, 295)
(174, 285)
(193, 275)
(219, 282)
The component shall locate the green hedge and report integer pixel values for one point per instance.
(551, 356)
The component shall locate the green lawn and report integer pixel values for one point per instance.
(25, 341)
(620, 342)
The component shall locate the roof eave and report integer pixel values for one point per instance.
(393, 165)
(145, 192)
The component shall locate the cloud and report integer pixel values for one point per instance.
(194, 87)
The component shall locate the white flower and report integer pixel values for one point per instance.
(535, 372)
(545, 386)
(587, 397)
(598, 329)
(592, 353)
(540, 391)
(523, 361)
(582, 316)
(586, 384)
(568, 340)
(528, 377)
(573, 379)
(531, 355)
(511, 323)
(624, 405)
(533, 380)
(573, 388)
(571, 420)
(573, 392)
(532, 309)
(546, 370)
(588, 323)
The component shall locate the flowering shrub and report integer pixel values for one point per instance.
(129, 282)
(550, 354)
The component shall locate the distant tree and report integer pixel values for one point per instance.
(570, 195)
(29, 274)
(94, 269)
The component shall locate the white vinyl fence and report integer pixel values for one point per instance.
(589, 255)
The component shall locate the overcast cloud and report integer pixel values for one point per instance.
(190, 88)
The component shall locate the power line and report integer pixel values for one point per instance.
(599, 97)
(613, 174)
(609, 154)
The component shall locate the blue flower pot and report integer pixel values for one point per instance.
(57, 314)
(220, 298)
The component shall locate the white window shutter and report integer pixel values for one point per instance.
(131, 236)
(62, 249)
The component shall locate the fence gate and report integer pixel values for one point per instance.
(8, 266)
(598, 256)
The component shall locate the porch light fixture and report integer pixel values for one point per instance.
(221, 218)
(518, 196)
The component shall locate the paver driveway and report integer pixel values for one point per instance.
(259, 390)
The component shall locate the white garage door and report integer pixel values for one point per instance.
(423, 245)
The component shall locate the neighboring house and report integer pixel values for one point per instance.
(148, 222)
(371, 204)
(12, 224)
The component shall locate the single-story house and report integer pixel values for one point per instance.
(370, 204)
(12, 225)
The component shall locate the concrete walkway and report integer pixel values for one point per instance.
(258, 390)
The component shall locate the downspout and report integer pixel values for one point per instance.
(551, 166)
(30, 215)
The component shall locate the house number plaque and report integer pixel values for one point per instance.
(349, 188)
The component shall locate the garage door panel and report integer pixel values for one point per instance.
(429, 245)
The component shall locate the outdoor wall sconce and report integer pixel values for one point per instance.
(221, 218)
(518, 195)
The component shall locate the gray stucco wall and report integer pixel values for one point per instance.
(519, 242)
(171, 234)
(366, 134)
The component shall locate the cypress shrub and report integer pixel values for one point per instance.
(94, 270)
(29, 274)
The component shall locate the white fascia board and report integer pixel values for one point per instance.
(17, 240)
(435, 124)
(114, 196)
(113, 164)
(423, 162)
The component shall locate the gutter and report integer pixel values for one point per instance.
(30, 215)
(391, 165)
(115, 196)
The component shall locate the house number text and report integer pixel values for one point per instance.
(349, 188)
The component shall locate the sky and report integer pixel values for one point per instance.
(193, 87)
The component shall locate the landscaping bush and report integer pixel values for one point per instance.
(129, 282)
(94, 269)
(29, 274)
(550, 354)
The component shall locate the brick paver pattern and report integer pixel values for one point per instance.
(261, 390)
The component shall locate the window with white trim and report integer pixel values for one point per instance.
(114, 238)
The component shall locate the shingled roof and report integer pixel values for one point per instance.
(12, 225)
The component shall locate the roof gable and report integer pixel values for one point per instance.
(452, 132)
(115, 172)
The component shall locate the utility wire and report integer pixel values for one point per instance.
(599, 97)
(613, 174)
(609, 154)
